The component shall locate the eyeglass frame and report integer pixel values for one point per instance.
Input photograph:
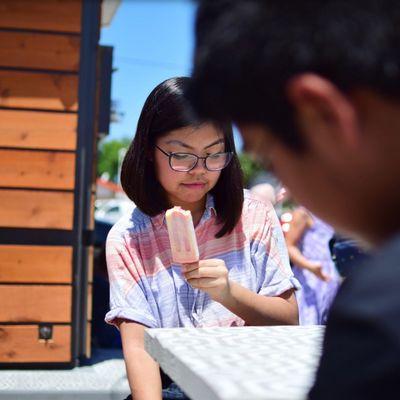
(170, 155)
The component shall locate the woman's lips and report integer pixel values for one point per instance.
(197, 185)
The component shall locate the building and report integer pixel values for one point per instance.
(54, 102)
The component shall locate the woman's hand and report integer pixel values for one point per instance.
(316, 269)
(210, 276)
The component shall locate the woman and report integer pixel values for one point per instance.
(243, 276)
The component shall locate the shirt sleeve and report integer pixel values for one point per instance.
(270, 256)
(128, 284)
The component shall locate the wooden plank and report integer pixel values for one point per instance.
(89, 309)
(36, 264)
(51, 15)
(90, 263)
(91, 211)
(37, 169)
(34, 209)
(37, 129)
(35, 303)
(21, 344)
(88, 350)
(38, 90)
(39, 51)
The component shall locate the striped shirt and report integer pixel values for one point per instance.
(148, 288)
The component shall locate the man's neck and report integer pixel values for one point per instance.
(380, 119)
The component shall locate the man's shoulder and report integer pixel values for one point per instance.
(372, 290)
(382, 265)
(361, 357)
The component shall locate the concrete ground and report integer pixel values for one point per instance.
(104, 378)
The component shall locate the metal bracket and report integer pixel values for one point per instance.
(45, 332)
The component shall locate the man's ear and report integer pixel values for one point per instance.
(325, 116)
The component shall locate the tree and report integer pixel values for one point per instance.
(108, 156)
(250, 168)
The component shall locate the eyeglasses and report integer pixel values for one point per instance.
(184, 162)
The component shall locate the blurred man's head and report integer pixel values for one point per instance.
(314, 87)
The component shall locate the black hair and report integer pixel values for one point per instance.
(247, 50)
(165, 110)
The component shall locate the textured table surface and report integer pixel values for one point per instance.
(104, 379)
(256, 363)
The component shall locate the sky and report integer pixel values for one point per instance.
(153, 40)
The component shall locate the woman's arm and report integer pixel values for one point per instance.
(211, 276)
(143, 372)
(300, 223)
(274, 302)
(256, 309)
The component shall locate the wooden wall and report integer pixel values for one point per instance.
(39, 110)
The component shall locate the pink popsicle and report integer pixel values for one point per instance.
(182, 236)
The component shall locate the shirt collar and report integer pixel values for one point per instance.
(159, 219)
(210, 205)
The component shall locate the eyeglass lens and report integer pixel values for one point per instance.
(186, 162)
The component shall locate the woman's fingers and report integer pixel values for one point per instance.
(205, 272)
(190, 267)
(212, 263)
(204, 283)
(318, 271)
(207, 275)
(325, 277)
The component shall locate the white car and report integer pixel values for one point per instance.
(112, 210)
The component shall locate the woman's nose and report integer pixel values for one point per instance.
(199, 168)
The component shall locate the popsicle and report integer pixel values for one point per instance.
(182, 236)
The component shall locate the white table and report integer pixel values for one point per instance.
(249, 363)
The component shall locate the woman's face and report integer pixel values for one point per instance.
(188, 189)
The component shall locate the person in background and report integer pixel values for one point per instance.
(268, 193)
(314, 87)
(307, 239)
(243, 276)
(265, 192)
(347, 254)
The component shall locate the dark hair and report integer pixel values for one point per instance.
(167, 109)
(247, 50)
